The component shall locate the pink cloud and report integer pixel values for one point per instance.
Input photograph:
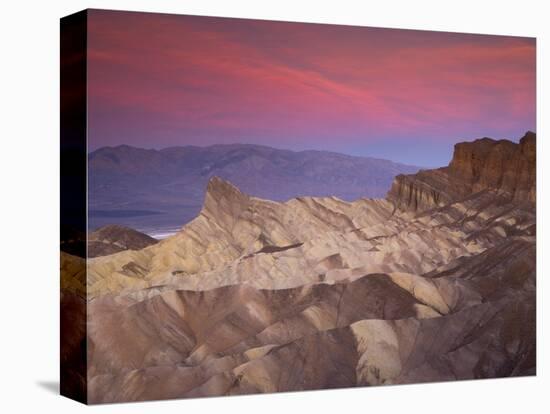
(288, 80)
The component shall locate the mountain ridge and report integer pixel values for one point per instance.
(239, 145)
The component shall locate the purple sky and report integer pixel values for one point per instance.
(159, 80)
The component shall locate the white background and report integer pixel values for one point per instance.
(29, 192)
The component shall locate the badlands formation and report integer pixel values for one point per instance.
(435, 282)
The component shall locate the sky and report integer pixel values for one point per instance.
(158, 80)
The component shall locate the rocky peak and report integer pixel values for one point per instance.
(219, 190)
(223, 201)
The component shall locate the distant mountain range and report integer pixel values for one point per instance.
(160, 190)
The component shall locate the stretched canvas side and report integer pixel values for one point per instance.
(73, 378)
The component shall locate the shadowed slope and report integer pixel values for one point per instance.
(114, 238)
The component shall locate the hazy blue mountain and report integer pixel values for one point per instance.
(158, 191)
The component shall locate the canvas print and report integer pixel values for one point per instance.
(257, 206)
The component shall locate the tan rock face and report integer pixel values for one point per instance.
(261, 296)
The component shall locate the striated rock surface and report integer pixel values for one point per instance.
(476, 166)
(436, 282)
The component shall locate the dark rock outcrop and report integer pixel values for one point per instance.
(476, 166)
(114, 238)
